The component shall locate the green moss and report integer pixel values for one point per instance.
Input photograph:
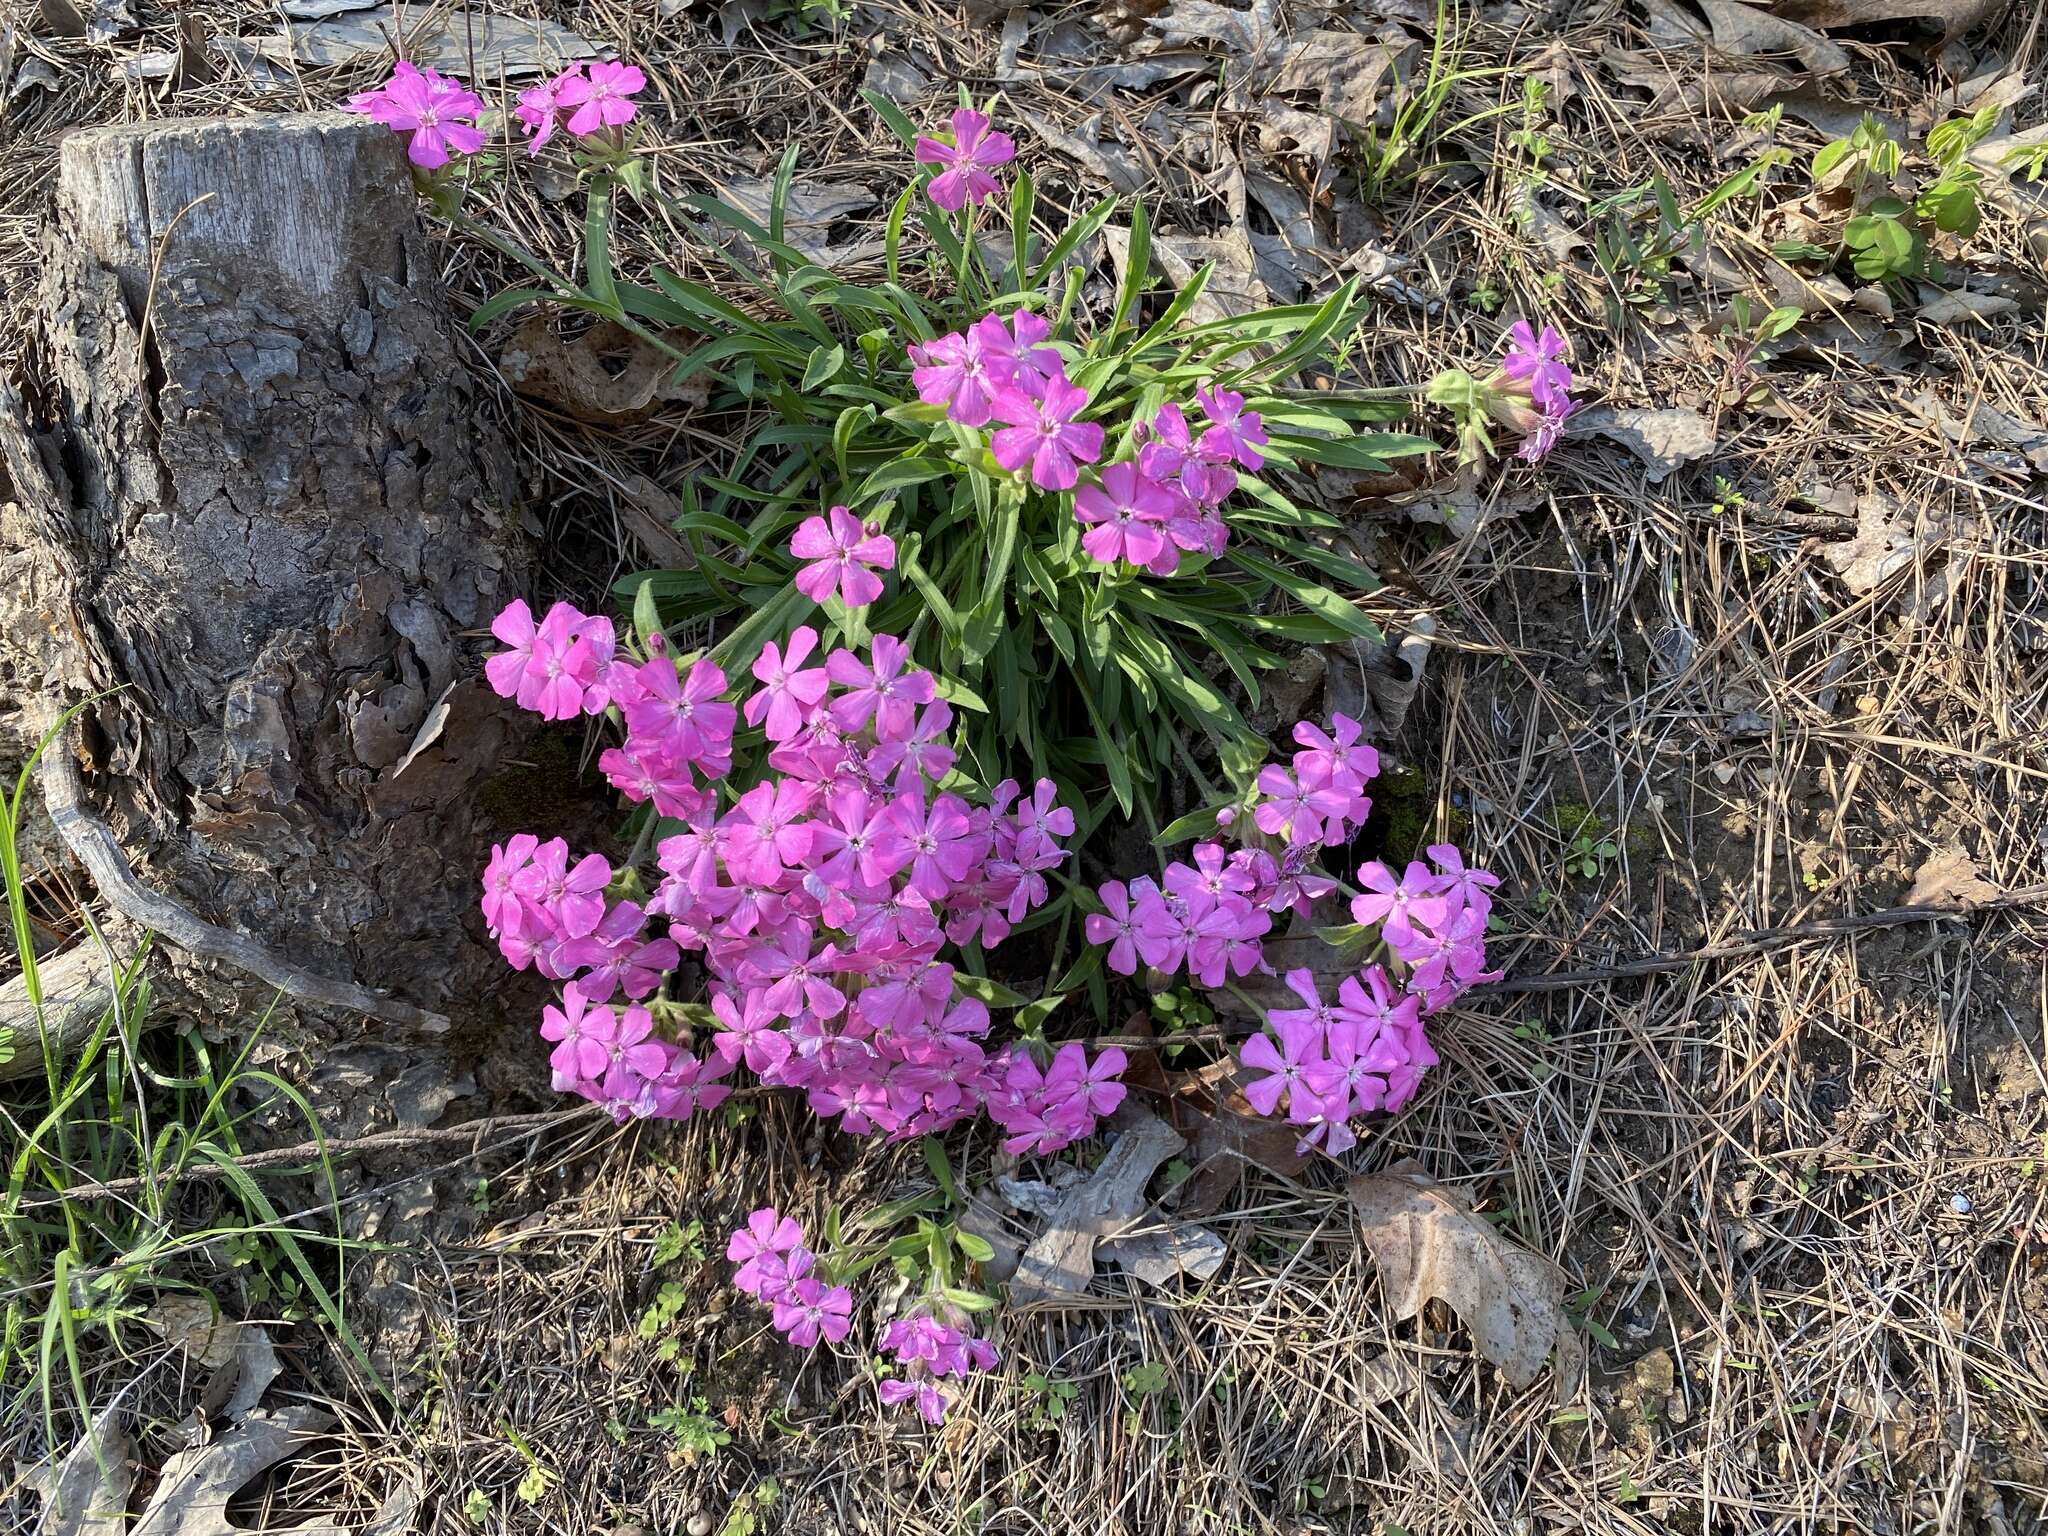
(1403, 819)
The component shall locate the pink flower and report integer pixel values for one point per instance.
(1396, 903)
(1235, 433)
(1044, 436)
(684, 718)
(539, 110)
(787, 695)
(503, 910)
(931, 1403)
(437, 111)
(842, 553)
(1012, 354)
(1548, 429)
(883, 689)
(582, 1035)
(1538, 359)
(601, 97)
(807, 1310)
(1126, 511)
(974, 152)
(952, 371)
(1292, 1069)
(763, 1249)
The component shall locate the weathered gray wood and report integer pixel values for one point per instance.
(77, 992)
(258, 501)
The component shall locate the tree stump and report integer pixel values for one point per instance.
(261, 522)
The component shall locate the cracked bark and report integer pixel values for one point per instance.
(255, 497)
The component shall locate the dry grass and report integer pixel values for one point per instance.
(1801, 1192)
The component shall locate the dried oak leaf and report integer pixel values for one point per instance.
(1882, 547)
(1745, 30)
(1429, 1246)
(1950, 879)
(1224, 1133)
(1954, 16)
(1663, 439)
(606, 376)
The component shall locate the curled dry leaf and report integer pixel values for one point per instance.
(1663, 439)
(1950, 879)
(194, 1489)
(1743, 29)
(87, 1493)
(1883, 546)
(195, 1325)
(1430, 1247)
(607, 375)
(1953, 16)
(1224, 1134)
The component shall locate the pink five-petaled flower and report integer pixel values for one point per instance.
(1538, 358)
(600, 97)
(1397, 902)
(1126, 512)
(974, 152)
(787, 695)
(1234, 433)
(438, 112)
(1044, 436)
(880, 689)
(581, 1054)
(808, 1309)
(540, 109)
(952, 371)
(1297, 1068)
(1116, 926)
(762, 1247)
(841, 553)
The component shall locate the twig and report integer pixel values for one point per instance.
(313, 1151)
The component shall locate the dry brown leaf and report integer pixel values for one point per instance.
(1954, 16)
(1962, 306)
(1663, 439)
(1882, 547)
(1224, 1133)
(1429, 1246)
(194, 1489)
(1745, 30)
(607, 375)
(87, 1493)
(1950, 879)
(195, 1325)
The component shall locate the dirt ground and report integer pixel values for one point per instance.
(1713, 710)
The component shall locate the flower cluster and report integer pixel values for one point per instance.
(1529, 393)
(928, 1351)
(438, 113)
(819, 901)
(585, 99)
(1210, 916)
(1169, 500)
(966, 162)
(1367, 1050)
(1535, 363)
(1000, 371)
(776, 1269)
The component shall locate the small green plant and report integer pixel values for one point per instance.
(1530, 139)
(1392, 156)
(1146, 1379)
(1588, 849)
(1749, 333)
(658, 1322)
(692, 1427)
(1886, 235)
(534, 1485)
(1727, 498)
(1050, 1399)
(128, 1104)
(476, 1506)
(745, 1517)
(675, 1241)
(1640, 231)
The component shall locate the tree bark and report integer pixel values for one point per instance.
(264, 525)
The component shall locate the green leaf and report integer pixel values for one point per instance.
(976, 1248)
(824, 364)
(1316, 598)
(1195, 824)
(992, 994)
(1137, 267)
(597, 248)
